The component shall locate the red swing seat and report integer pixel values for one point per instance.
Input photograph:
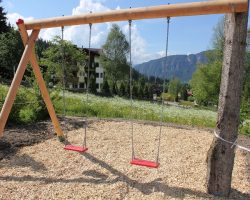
(145, 163)
(75, 148)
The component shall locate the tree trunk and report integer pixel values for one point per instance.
(220, 156)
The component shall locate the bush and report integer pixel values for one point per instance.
(168, 97)
(186, 103)
(27, 115)
(191, 98)
(28, 105)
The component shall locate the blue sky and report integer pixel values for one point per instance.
(187, 34)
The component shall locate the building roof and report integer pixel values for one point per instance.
(93, 50)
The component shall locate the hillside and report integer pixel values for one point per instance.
(180, 66)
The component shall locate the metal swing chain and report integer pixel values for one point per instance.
(87, 100)
(131, 89)
(64, 82)
(162, 102)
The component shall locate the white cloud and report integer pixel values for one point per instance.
(79, 35)
(13, 17)
(139, 46)
(87, 6)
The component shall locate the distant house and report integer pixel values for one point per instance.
(95, 70)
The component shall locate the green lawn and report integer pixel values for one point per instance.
(117, 107)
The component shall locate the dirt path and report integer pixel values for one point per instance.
(45, 171)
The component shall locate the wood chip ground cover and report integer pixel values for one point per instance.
(46, 171)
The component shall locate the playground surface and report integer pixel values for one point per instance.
(37, 167)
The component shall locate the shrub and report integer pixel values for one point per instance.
(168, 97)
(28, 105)
(191, 98)
(27, 115)
(186, 103)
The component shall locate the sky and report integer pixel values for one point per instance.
(188, 35)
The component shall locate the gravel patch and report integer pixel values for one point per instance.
(46, 171)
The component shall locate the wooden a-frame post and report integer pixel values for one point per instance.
(221, 154)
(28, 55)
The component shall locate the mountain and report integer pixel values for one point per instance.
(180, 66)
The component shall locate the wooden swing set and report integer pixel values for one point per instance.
(235, 32)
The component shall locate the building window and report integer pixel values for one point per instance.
(101, 75)
(97, 86)
(81, 85)
(96, 64)
(97, 75)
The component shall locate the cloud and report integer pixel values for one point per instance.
(13, 17)
(87, 6)
(139, 46)
(79, 35)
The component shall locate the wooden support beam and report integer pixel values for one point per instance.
(174, 10)
(40, 81)
(9, 100)
(221, 154)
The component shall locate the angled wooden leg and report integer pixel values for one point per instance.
(40, 81)
(9, 100)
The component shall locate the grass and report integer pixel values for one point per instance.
(116, 107)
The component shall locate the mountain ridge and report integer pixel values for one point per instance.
(179, 66)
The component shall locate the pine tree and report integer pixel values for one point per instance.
(122, 90)
(146, 92)
(127, 94)
(184, 94)
(114, 89)
(105, 88)
(3, 23)
(150, 91)
(135, 91)
(140, 92)
(92, 84)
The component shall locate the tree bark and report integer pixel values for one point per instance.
(221, 155)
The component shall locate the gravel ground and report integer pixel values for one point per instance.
(45, 171)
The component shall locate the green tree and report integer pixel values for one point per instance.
(92, 84)
(114, 89)
(41, 46)
(105, 88)
(205, 83)
(114, 55)
(141, 91)
(150, 92)
(135, 91)
(11, 48)
(127, 94)
(4, 27)
(174, 87)
(122, 89)
(62, 53)
(146, 92)
(184, 93)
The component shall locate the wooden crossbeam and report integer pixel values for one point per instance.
(174, 10)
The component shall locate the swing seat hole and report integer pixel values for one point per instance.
(75, 148)
(145, 163)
